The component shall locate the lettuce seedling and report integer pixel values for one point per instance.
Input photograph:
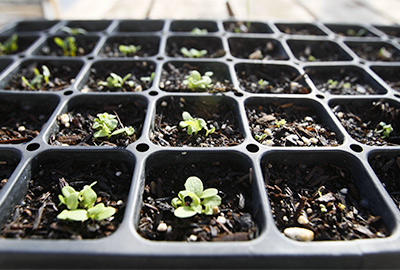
(194, 125)
(280, 123)
(193, 53)
(115, 81)
(81, 205)
(195, 81)
(36, 82)
(384, 129)
(262, 83)
(106, 125)
(9, 46)
(74, 31)
(129, 50)
(149, 78)
(201, 201)
(68, 45)
(198, 31)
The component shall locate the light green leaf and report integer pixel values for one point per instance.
(194, 185)
(100, 212)
(212, 201)
(186, 193)
(74, 215)
(72, 201)
(176, 202)
(208, 210)
(209, 192)
(184, 212)
(186, 116)
(87, 196)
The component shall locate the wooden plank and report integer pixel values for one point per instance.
(342, 11)
(128, 9)
(88, 10)
(10, 13)
(284, 10)
(189, 9)
(387, 8)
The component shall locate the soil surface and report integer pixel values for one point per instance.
(234, 222)
(84, 46)
(21, 123)
(167, 132)
(111, 49)
(137, 70)
(246, 27)
(342, 82)
(36, 216)
(212, 45)
(301, 30)
(80, 132)
(6, 169)
(257, 49)
(376, 52)
(172, 78)
(387, 168)
(353, 32)
(317, 51)
(322, 198)
(276, 80)
(61, 77)
(289, 124)
(362, 121)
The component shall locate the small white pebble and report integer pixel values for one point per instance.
(340, 114)
(192, 237)
(64, 119)
(64, 144)
(85, 90)
(268, 142)
(285, 218)
(306, 140)
(294, 86)
(302, 220)
(162, 227)
(300, 234)
(164, 104)
(308, 119)
(118, 173)
(169, 229)
(268, 132)
(221, 219)
(309, 211)
(313, 140)
(300, 143)
(21, 128)
(119, 202)
(344, 191)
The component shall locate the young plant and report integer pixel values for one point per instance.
(129, 50)
(68, 45)
(149, 78)
(115, 81)
(194, 125)
(384, 129)
(36, 82)
(201, 201)
(9, 46)
(280, 123)
(195, 81)
(106, 124)
(74, 31)
(81, 205)
(262, 83)
(193, 53)
(198, 31)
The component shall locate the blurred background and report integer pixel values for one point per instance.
(380, 12)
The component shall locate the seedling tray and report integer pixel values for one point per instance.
(333, 84)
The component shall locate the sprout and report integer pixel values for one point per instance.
(9, 46)
(198, 31)
(74, 31)
(202, 201)
(193, 53)
(263, 83)
(280, 123)
(115, 81)
(106, 125)
(129, 50)
(195, 81)
(384, 129)
(68, 45)
(194, 125)
(36, 82)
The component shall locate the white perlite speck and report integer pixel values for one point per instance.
(300, 234)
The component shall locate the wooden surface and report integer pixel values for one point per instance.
(383, 12)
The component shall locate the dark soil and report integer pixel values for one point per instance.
(280, 80)
(300, 29)
(342, 82)
(373, 51)
(257, 49)
(101, 71)
(326, 195)
(361, 120)
(149, 47)
(80, 131)
(390, 75)
(21, 123)
(247, 27)
(84, 46)
(387, 168)
(221, 115)
(36, 216)
(234, 222)
(61, 77)
(311, 51)
(172, 78)
(212, 45)
(6, 169)
(352, 31)
(303, 126)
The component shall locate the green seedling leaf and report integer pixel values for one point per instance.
(10, 45)
(100, 211)
(185, 212)
(209, 192)
(194, 125)
(195, 185)
(129, 49)
(87, 196)
(197, 82)
(198, 31)
(212, 201)
(193, 53)
(74, 215)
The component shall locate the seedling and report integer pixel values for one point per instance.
(311, 58)
(81, 205)
(36, 82)
(201, 201)
(332, 83)
(193, 53)
(106, 124)
(129, 50)
(115, 81)
(384, 53)
(9, 46)
(384, 129)
(262, 83)
(260, 137)
(74, 31)
(198, 31)
(194, 125)
(280, 123)
(68, 45)
(149, 78)
(195, 81)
